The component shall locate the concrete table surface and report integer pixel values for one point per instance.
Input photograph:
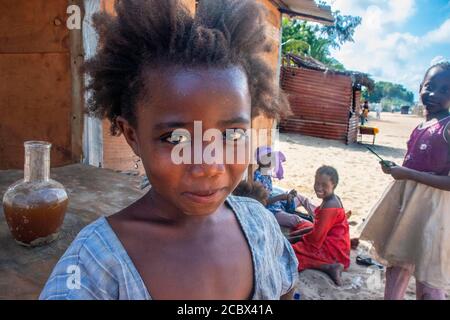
(93, 192)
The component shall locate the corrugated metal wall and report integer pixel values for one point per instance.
(321, 103)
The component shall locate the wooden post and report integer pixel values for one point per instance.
(78, 107)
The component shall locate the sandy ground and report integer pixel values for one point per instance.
(361, 185)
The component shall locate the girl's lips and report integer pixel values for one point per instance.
(204, 197)
(432, 106)
(319, 194)
(430, 103)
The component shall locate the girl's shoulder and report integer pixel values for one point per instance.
(93, 266)
(275, 261)
(333, 203)
(248, 208)
(447, 133)
(96, 241)
(254, 218)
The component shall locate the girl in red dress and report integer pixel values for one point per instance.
(325, 244)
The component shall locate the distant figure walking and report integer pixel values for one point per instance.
(378, 109)
(364, 112)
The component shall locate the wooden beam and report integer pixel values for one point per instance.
(307, 16)
(78, 106)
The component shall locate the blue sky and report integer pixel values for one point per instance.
(398, 39)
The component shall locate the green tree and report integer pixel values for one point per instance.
(389, 93)
(309, 39)
(343, 29)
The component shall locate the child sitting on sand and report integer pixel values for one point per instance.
(160, 71)
(252, 189)
(325, 244)
(269, 163)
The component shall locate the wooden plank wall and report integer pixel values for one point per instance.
(353, 125)
(117, 154)
(320, 102)
(35, 80)
(272, 58)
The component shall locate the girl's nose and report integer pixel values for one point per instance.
(207, 170)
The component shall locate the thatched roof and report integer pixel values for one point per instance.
(358, 78)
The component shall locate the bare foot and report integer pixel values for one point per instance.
(354, 243)
(348, 214)
(334, 271)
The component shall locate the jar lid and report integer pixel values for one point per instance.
(37, 144)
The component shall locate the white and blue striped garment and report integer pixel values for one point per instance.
(106, 272)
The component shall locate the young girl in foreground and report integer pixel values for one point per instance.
(410, 225)
(160, 69)
(324, 245)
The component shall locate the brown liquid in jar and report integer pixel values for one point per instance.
(35, 224)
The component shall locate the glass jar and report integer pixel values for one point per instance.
(35, 206)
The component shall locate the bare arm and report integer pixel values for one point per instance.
(435, 181)
(432, 180)
(288, 296)
(307, 204)
(277, 198)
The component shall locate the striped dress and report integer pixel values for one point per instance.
(96, 265)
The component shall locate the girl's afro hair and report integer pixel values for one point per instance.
(148, 34)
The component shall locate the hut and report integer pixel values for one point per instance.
(325, 102)
(404, 109)
(42, 89)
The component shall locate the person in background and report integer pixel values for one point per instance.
(410, 225)
(378, 109)
(252, 189)
(269, 165)
(325, 244)
(364, 112)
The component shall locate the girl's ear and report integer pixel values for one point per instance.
(129, 133)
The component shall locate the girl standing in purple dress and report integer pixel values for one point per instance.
(410, 226)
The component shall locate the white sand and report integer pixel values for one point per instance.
(361, 185)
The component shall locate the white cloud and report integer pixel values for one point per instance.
(380, 11)
(380, 50)
(437, 60)
(440, 35)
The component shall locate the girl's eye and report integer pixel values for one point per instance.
(177, 136)
(233, 135)
(429, 86)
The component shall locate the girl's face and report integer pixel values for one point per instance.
(323, 186)
(435, 90)
(267, 163)
(176, 97)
